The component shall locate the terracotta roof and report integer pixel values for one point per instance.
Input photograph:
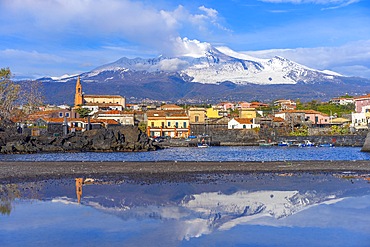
(155, 113)
(109, 121)
(70, 120)
(244, 120)
(277, 119)
(170, 106)
(362, 97)
(111, 112)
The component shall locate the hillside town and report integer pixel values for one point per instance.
(225, 122)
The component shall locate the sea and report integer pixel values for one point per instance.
(257, 209)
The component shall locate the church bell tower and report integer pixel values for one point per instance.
(78, 94)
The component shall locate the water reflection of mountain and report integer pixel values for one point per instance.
(200, 208)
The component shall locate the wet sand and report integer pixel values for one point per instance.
(164, 170)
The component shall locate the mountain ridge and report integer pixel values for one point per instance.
(217, 75)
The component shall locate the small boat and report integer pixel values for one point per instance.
(263, 143)
(203, 145)
(283, 143)
(293, 143)
(326, 145)
(306, 143)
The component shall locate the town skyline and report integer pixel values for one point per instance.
(54, 38)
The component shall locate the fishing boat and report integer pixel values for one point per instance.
(203, 145)
(263, 143)
(326, 145)
(283, 144)
(306, 143)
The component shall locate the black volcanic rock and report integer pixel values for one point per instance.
(120, 139)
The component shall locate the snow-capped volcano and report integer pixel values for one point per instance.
(209, 73)
(223, 64)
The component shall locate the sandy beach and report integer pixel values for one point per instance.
(166, 170)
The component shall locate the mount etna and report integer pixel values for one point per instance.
(216, 74)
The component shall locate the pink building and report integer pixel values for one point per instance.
(227, 105)
(244, 105)
(362, 103)
(316, 117)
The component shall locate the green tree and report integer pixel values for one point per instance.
(83, 112)
(142, 126)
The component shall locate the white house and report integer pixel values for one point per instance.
(123, 117)
(242, 123)
(360, 120)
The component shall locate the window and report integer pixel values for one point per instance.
(152, 124)
(184, 124)
(60, 114)
(162, 124)
(196, 119)
(67, 114)
(168, 124)
(177, 124)
(244, 126)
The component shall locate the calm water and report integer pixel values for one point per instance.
(206, 154)
(274, 209)
(270, 209)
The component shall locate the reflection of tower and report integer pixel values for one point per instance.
(78, 94)
(79, 182)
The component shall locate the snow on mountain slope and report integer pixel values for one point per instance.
(222, 64)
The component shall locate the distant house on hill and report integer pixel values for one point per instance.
(285, 104)
(342, 101)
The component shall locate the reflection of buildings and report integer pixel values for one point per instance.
(79, 182)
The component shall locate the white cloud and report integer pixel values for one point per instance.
(191, 48)
(126, 19)
(172, 65)
(100, 25)
(346, 59)
(337, 3)
(210, 12)
(347, 2)
(30, 55)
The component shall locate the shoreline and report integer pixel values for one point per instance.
(18, 171)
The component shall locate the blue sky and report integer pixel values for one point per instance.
(56, 37)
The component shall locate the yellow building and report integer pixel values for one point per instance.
(197, 115)
(247, 113)
(173, 123)
(213, 113)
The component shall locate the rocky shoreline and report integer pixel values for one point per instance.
(12, 172)
(122, 139)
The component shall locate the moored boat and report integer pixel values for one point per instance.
(326, 145)
(203, 145)
(307, 143)
(264, 143)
